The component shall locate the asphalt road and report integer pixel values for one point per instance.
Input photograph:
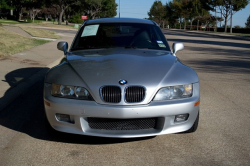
(222, 138)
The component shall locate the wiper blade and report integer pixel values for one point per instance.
(88, 48)
(74, 49)
(127, 47)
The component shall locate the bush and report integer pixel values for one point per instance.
(237, 27)
(31, 21)
(76, 19)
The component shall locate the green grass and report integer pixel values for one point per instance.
(11, 43)
(40, 33)
(241, 34)
(3, 21)
(36, 23)
(233, 34)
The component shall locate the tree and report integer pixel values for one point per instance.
(229, 7)
(18, 6)
(34, 7)
(63, 5)
(3, 5)
(48, 11)
(248, 22)
(157, 12)
(108, 9)
(171, 16)
(199, 8)
(177, 7)
(92, 8)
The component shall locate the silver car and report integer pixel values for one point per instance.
(120, 79)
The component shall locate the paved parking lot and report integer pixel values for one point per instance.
(223, 66)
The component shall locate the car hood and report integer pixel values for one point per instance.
(151, 69)
(107, 67)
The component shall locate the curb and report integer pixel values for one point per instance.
(212, 34)
(58, 28)
(56, 62)
(44, 38)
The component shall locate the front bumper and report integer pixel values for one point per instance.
(79, 111)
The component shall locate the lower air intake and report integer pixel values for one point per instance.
(122, 124)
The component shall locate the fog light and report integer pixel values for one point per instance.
(63, 117)
(181, 118)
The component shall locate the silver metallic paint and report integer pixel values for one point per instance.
(80, 110)
(93, 69)
(177, 47)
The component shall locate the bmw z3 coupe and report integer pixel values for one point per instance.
(120, 79)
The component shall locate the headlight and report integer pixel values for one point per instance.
(70, 92)
(174, 92)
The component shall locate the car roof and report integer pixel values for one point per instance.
(120, 20)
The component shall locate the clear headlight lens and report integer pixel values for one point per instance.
(174, 92)
(70, 92)
(81, 93)
(67, 90)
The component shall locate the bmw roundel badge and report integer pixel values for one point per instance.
(123, 82)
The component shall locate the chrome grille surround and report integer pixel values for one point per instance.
(122, 124)
(111, 94)
(135, 94)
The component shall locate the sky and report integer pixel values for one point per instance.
(140, 8)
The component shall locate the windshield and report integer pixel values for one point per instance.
(127, 35)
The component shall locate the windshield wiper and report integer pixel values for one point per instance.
(89, 48)
(128, 47)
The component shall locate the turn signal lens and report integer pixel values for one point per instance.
(197, 103)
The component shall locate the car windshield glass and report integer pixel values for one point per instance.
(127, 35)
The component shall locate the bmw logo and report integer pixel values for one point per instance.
(123, 82)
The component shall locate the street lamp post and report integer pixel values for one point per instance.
(119, 8)
(231, 21)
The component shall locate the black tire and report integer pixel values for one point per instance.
(194, 127)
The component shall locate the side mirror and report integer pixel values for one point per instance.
(177, 47)
(63, 46)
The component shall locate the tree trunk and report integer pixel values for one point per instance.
(215, 27)
(221, 17)
(191, 27)
(225, 25)
(60, 17)
(20, 16)
(18, 13)
(185, 23)
(198, 25)
(231, 21)
(180, 22)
